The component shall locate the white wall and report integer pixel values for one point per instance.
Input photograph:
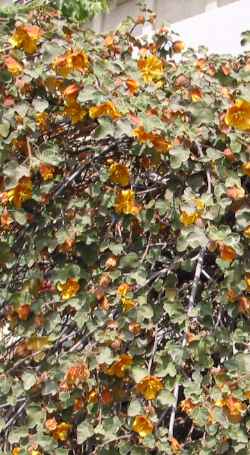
(218, 29)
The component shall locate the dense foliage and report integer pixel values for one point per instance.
(76, 10)
(124, 248)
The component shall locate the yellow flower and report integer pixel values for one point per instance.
(42, 120)
(238, 115)
(119, 174)
(120, 367)
(68, 289)
(61, 433)
(125, 203)
(35, 452)
(152, 68)
(247, 232)
(247, 280)
(123, 289)
(188, 218)
(21, 193)
(16, 451)
(13, 66)
(191, 216)
(246, 168)
(149, 387)
(75, 112)
(47, 171)
(127, 304)
(143, 426)
(35, 344)
(26, 37)
(105, 109)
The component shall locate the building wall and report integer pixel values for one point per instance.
(170, 11)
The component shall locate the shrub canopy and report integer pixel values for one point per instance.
(124, 251)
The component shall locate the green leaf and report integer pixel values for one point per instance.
(138, 373)
(84, 432)
(4, 129)
(129, 261)
(29, 379)
(178, 155)
(40, 105)
(135, 408)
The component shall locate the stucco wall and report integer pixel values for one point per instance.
(167, 10)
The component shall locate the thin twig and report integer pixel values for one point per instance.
(191, 302)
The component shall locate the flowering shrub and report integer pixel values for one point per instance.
(124, 243)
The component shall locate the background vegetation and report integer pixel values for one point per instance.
(124, 242)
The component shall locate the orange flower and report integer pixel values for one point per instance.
(93, 396)
(233, 407)
(76, 374)
(47, 171)
(24, 312)
(106, 397)
(61, 433)
(247, 232)
(232, 295)
(247, 395)
(178, 46)
(132, 85)
(187, 406)
(160, 143)
(246, 168)
(6, 219)
(227, 253)
(75, 60)
(68, 289)
(51, 424)
(151, 67)
(244, 305)
(21, 193)
(67, 246)
(26, 37)
(53, 84)
(70, 93)
(105, 109)
(141, 135)
(238, 115)
(143, 426)
(175, 445)
(125, 203)
(120, 367)
(42, 120)
(235, 193)
(149, 387)
(62, 65)
(196, 94)
(119, 174)
(111, 262)
(75, 112)
(13, 66)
